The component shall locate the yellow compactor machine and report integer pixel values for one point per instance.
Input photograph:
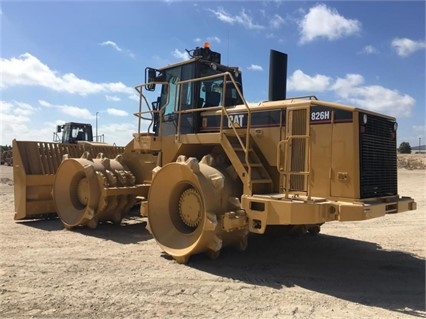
(211, 168)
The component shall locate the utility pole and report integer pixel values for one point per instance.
(97, 126)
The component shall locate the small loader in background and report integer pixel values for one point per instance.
(73, 133)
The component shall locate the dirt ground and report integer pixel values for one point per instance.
(369, 269)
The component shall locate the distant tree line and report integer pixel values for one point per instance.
(5, 147)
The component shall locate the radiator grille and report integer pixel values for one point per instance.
(378, 162)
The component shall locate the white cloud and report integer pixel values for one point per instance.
(276, 21)
(352, 90)
(111, 44)
(23, 109)
(112, 98)
(27, 70)
(325, 22)
(344, 87)
(18, 111)
(182, 55)
(44, 103)
(116, 112)
(73, 111)
(15, 117)
(255, 67)
(117, 48)
(243, 19)
(300, 81)
(77, 112)
(134, 97)
(382, 100)
(117, 133)
(223, 16)
(369, 49)
(404, 46)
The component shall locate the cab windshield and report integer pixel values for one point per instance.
(194, 95)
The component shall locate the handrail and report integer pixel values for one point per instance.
(280, 166)
(142, 98)
(308, 97)
(244, 145)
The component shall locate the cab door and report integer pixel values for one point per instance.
(176, 98)
(168, 104)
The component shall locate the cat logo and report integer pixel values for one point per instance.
(236, 120)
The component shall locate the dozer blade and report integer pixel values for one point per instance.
(34, 168)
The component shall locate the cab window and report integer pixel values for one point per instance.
(170, 106)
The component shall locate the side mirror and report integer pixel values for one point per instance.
(58, 129)
(150, 76)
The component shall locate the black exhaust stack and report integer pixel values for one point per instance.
(277, 76)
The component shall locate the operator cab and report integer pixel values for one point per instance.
(180, 92)
(74, 132)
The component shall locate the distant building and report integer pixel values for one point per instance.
(418, 149)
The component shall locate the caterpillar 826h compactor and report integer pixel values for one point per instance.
(211, 168)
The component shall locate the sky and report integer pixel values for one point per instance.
(79, 61)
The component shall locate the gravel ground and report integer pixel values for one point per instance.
(369, 269)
